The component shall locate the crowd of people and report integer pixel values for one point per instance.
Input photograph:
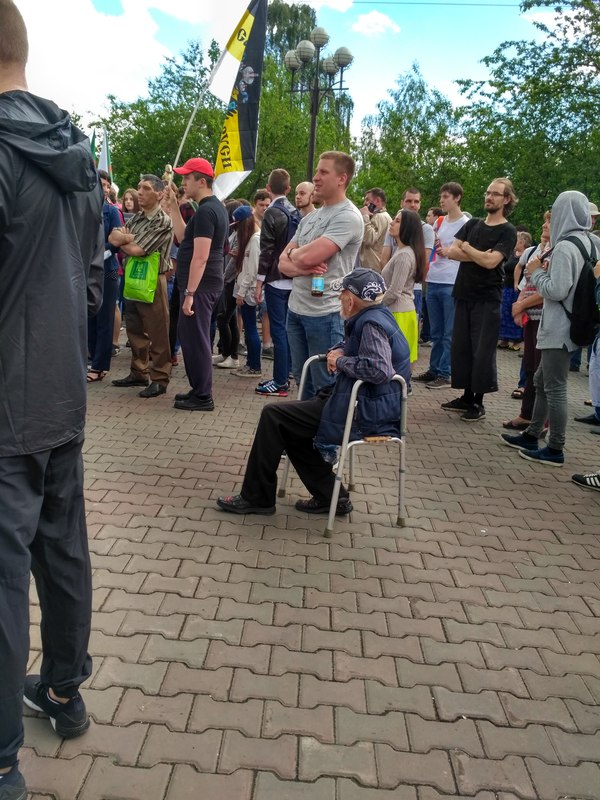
(463, 286)
(325, 276)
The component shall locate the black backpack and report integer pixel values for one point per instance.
(585, 316)
(294, 217)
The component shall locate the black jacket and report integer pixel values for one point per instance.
(51, 234)
(273, 238)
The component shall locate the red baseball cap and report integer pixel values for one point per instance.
(200, 165)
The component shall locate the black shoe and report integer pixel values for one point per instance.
(591, 419)
(184, 395)
(573, 368)
(12, 785)
(315, 506)
(153, 389)
(236, 504)
(458, 404)
(425, 377)
(68, 719)
(131, 380)
(195, 403)
(475, 413)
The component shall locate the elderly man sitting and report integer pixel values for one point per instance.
(374, 351)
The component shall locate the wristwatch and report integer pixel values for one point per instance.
(187, 293)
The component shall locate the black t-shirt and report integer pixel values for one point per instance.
(211, 222)
(477, 283)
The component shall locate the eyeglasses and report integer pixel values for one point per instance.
(493, 194)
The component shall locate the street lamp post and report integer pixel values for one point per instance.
(330, 66)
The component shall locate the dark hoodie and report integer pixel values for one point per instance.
(50, 235)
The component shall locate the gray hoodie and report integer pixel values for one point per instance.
(50, 234)
(570, 217)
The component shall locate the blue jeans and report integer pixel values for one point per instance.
(277, 308)
(576, 356)
(100, 327)
(440, 305)
(251, 335)
(309, 336)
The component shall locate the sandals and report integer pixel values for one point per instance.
(513, 425)
(517, 394)
(95, 375)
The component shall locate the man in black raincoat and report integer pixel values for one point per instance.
(50, 234)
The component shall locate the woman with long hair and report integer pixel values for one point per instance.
(244, 291)
(405, 268)
(129, 203)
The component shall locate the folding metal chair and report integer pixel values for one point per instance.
(348, 447)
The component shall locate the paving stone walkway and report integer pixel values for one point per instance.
(251, 659)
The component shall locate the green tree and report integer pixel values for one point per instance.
(145, 134)
(413, 140)
(286, 26)
(535, 117)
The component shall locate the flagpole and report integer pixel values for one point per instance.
(187, 130)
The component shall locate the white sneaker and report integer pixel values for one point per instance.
(218, 359)
(229, 363)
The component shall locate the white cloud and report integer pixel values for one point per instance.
(375, 24)
(78, 56)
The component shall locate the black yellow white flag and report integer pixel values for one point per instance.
(236, 80)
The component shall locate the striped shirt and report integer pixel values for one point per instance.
(374, 360)
(153, 232)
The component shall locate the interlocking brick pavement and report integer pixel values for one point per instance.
(252, 659)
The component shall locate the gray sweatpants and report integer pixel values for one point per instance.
(550, 382)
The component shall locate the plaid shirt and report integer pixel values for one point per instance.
(153, 232)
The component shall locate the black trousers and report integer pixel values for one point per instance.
(474, 340)
(229, 333)
(174, 306)
(42, 530)
(288, 427)
(196, 345)
(531, 361)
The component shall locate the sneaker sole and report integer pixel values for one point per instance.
(478, 419)
(585, 486)
(443, 386)
(323, 511)
(456, 410)
(526, 455)
(65, 733)
(267, 512)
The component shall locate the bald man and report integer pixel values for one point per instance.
(304, 198)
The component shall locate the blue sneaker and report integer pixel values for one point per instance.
(520, 442)
(544, 456)
(12, 785)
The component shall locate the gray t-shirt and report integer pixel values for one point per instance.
(343, 224)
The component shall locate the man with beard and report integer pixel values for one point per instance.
(481, 246)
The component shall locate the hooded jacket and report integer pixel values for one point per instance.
(570, 217)
(51, 234)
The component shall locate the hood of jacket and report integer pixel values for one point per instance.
(43, 134)
(570, 214)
